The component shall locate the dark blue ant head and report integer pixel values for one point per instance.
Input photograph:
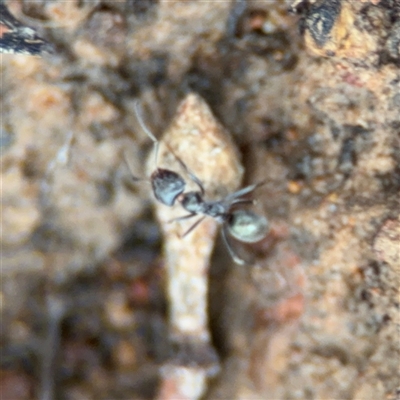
(167, 186)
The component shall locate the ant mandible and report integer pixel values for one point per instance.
(169, 187)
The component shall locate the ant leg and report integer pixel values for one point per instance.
(193, 226)
(187, 216)
(242, 201)
(192, 176)
(139, 116)
(248, 189)
(237, 195)
(232, 253)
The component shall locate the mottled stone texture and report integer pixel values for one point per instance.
(312, 101)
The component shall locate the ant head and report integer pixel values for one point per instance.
(247, 226)
(167, 185)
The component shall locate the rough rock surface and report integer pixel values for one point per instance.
(313, 103)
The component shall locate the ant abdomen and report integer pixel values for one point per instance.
(247, 226)
(167, 185)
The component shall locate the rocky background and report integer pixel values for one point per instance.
(311, 98)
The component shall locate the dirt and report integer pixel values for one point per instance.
(312, 102)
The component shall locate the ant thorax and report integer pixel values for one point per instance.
(194, 202)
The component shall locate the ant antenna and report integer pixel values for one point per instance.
(139, 115)
(192, 176)
(130, 167)
(232, 253)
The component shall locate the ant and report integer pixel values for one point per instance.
(169, 187)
